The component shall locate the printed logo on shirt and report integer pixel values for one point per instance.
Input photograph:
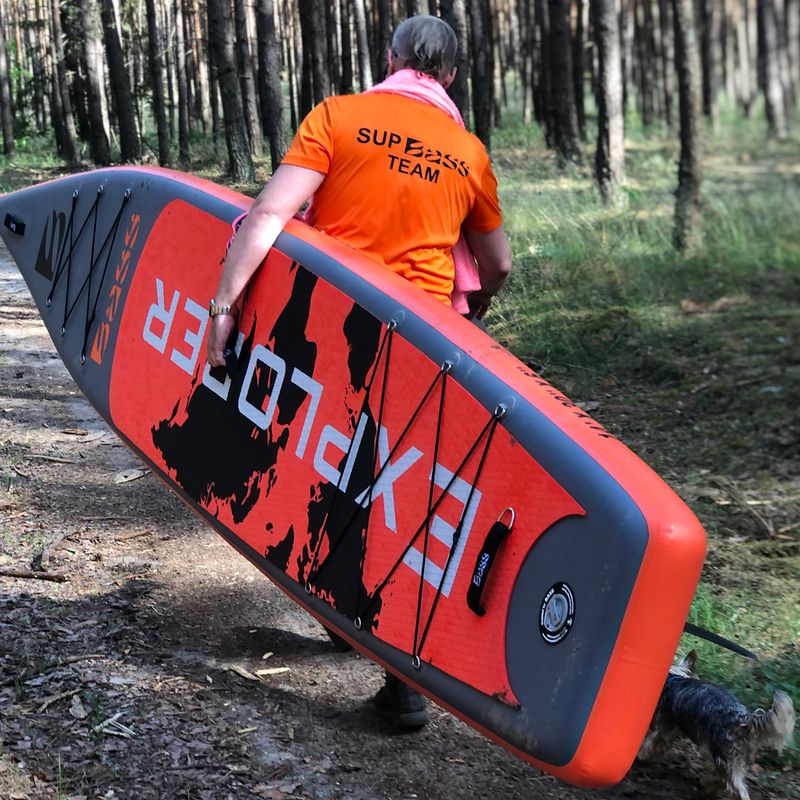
(412, 156)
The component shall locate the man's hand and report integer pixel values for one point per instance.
(222, 327)
(493, 255)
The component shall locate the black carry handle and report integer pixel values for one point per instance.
(485, 560)
(231, 360)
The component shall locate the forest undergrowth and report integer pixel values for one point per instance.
(692, 360)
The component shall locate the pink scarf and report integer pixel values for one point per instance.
(418, 86)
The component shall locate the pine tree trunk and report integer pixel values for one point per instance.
(362, 45)
(542, 86)
(157, 79)
(565, 139)
(579, 68)
(244, 61)
(333, 31)
(687, 195)
(183, 85)
(792, 14)
(166, 36)
(269, 81)
(346, 47)
(454, 13)
(221, 35)
(482, 78)
(69, 144)
(609, 162)
(668, 60)
(95, 89)
(383, 38)
(769, 55)
(708, 56)
(200, 58)
(37, 82)
(6, 107)
(130, 149)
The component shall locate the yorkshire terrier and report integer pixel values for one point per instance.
(713, 718)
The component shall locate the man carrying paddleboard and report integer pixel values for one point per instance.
(393, 173)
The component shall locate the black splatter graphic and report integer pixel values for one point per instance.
(215, 453)
(280, 553)
(363, 333)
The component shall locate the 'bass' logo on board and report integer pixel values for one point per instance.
(114, 296)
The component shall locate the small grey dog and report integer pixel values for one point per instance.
(713, 718)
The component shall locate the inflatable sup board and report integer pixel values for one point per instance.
(388, 465)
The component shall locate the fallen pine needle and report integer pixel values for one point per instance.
(273, 671)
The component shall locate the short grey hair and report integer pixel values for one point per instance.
(426, 44)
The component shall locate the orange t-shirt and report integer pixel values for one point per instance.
(401, 178)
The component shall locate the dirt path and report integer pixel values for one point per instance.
(161, 627)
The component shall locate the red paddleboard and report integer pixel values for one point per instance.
(393, 469)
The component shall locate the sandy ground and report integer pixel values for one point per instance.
(135, 678)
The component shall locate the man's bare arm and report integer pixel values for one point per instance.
(280, 199)
(493, 255)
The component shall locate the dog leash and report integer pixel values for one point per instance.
(695, 630)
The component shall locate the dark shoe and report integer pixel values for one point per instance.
(400, 705)
(340, 645)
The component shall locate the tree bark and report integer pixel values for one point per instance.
(6, 108)
(362, 45)
(244, 61)
(687, 195)
(482, 78)
(130, 149)
(609, 165)
(668, 61)
(315, 51)
(709, 57)
(220, 34)
(36, 78)
(157, 78)
(769, 44)
(383, 38)
(346, 48)
(183, 85)
(579, 68)
(269, 81)
(61, 99)
(565, 139)
(95, 88)
(454, 13)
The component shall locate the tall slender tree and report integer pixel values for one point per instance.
(157, 78)
(769, 57)
(183, 84)
(130, 147)
(687, 65)
(244, 61)
(564, 134)
(269, 80)
(482, 77)
(609, 164)
(97, 105)
(362, 45)
(455, 14)
(6, 107)
(221, 37)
